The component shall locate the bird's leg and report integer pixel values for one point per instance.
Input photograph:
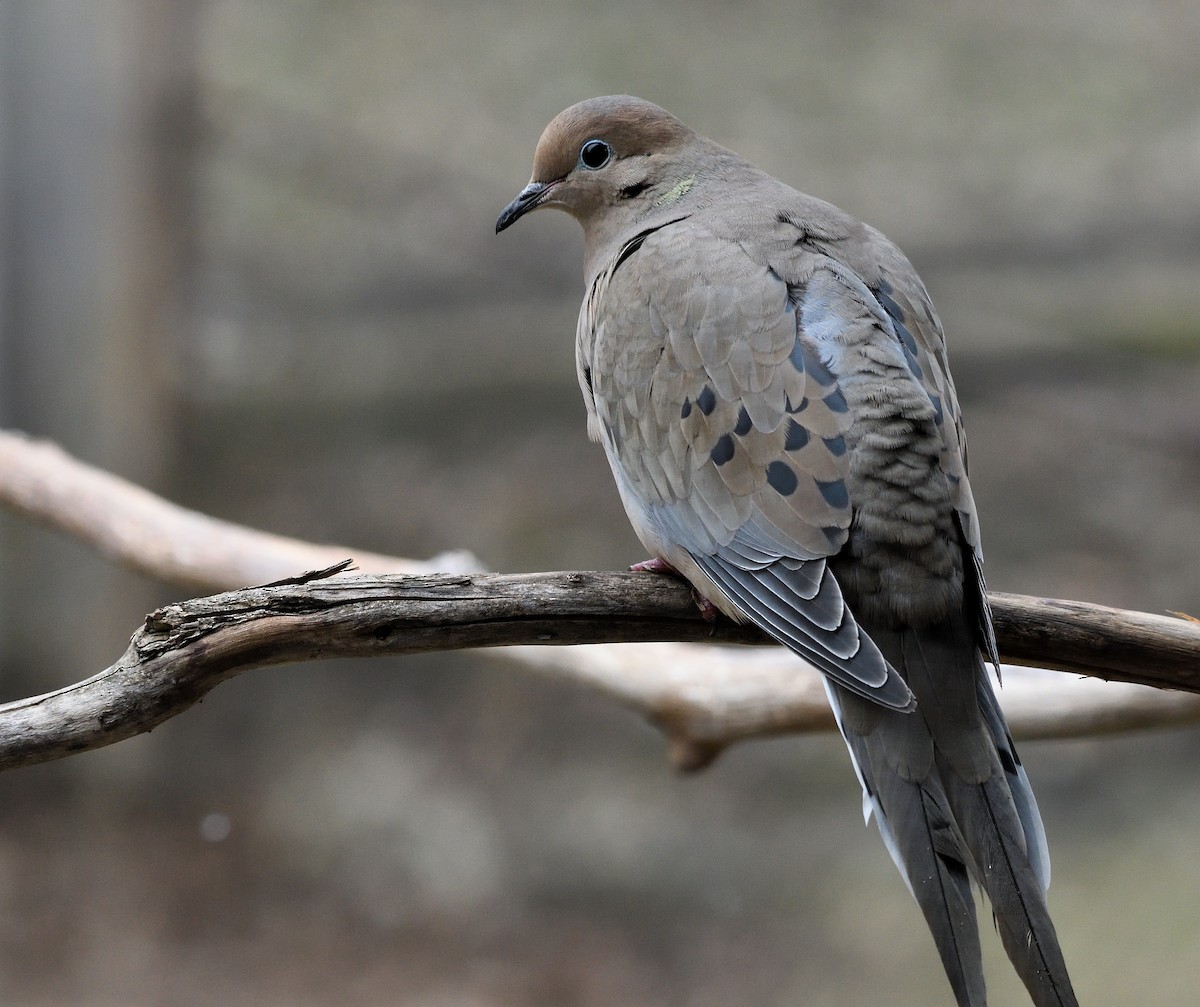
(708, 611)
(654, 565)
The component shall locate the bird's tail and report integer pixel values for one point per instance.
(953, 804)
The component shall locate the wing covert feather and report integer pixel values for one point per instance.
(727, 432)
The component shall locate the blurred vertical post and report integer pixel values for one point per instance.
(98, 130)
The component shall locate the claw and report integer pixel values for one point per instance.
(708, 611)
(654, 565)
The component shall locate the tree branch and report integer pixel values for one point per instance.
(185, 650)
(704, 698)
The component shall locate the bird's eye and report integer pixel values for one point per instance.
(594, 154)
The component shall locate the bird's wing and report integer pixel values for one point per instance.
(727, 433)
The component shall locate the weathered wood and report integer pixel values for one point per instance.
(704, 698)
(1109, 643)
(186, 649)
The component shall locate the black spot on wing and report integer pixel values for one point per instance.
(834, 535)
(893, 310)
(788, 407)
(937, 408)
(686, 411)
(834, 492)
(743, 423)
(835, 445)
(796, 437)
(816, 368)
(723, 450)
(909, 355)
(707, 400)
(906, 337)
(836, 401)
(796, 357)
(782, 478)
(890, 306)
(587, 378)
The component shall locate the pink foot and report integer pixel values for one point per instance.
(655, 565)
(708, 611)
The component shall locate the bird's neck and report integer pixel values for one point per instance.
(689, 182)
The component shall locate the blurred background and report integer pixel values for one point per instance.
(247, 260)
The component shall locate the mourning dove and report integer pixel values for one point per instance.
(769, 381)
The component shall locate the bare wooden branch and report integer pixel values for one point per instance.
(704, 697)
(185, 650)
(1109, 643)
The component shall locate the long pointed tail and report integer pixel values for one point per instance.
(952, 803)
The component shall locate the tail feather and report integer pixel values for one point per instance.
(996, 839)
(953, 803)
(1018, 782)
(919, 831)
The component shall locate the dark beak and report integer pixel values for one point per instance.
(527, 199)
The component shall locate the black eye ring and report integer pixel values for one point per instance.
(595, 154)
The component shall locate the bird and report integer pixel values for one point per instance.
(768, 378)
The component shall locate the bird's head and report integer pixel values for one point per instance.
(605, 160)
